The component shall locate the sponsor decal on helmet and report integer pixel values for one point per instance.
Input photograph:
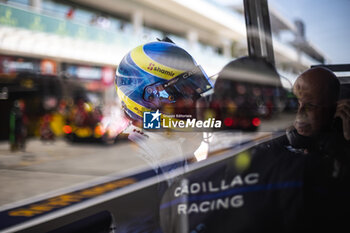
(151, 65)
(143, 61)
(160, 70)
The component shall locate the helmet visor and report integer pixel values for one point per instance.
(188, 85)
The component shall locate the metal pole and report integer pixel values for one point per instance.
(259, 35)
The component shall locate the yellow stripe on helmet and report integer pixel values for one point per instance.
(136, 108)
(149, 65)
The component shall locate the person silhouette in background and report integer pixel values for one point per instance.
(18, 130)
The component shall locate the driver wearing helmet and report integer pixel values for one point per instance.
(150, 77)
(153, 78)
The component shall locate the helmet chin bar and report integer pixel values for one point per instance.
(188, 85)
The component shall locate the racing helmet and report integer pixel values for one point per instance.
(158, 73)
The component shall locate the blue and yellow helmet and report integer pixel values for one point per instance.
(156, 73)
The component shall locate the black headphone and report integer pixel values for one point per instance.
(326, 143)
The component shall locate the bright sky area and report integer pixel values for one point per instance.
(326, 24)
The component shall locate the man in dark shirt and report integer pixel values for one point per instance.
(319, 136)
(294, 183)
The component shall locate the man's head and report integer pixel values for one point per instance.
(317, 90)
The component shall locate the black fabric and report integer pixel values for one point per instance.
(271, 187)
(272, 203)
(327, 191)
